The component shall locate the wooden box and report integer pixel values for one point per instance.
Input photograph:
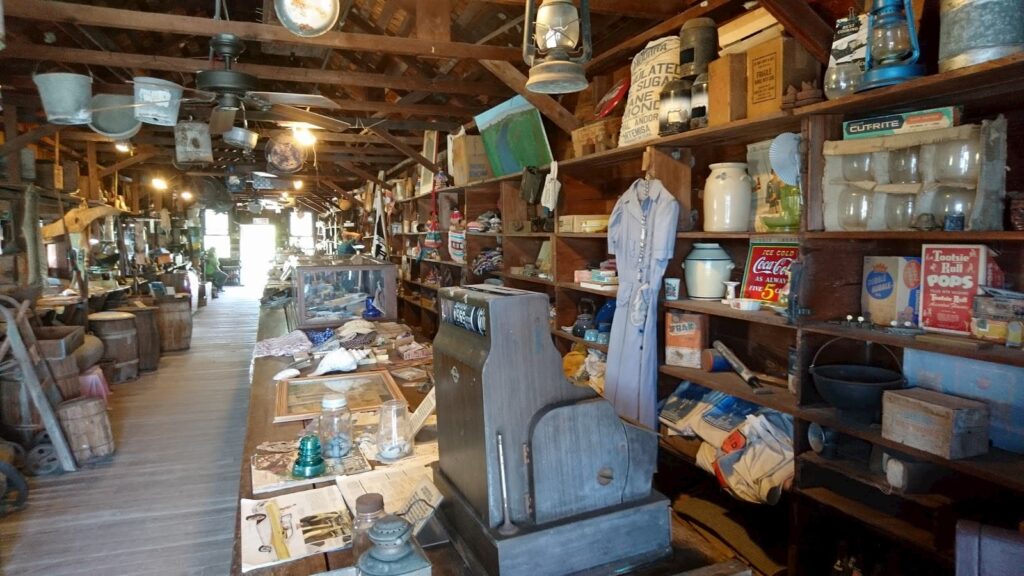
(941, 424)
(597, 137)
(727, 89)
(771, 67)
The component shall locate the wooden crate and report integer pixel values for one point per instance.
(942, 424)
(597, 137)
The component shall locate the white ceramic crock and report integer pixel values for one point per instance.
(706, 267)
(727, 194)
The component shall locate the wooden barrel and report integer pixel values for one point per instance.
(175, 322)
(65, 372)
(120, 342)
(16, 408)
(148, 334)
(87, 428)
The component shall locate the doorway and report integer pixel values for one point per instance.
(256, 245)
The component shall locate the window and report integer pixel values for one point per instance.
(217, 233)
(300, 231)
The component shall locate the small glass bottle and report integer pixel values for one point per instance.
(369, 509)
(335, 426)
(394, 436)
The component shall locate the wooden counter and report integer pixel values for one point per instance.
(445, 559)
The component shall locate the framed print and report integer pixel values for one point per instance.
(299, 398)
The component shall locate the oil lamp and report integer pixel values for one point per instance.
(892, 50)
(556, 44)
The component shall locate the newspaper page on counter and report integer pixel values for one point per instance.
(272, 467)
(293, 526)
(400, 487)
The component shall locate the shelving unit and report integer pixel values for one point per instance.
(830, 290)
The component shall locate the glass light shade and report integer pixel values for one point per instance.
(957, 161)
(842, 79)
(904, 165)
(699, 97)
(899, 211)
(950, 200)
(854, 208)
(558, 25)
(857, 168)
(890, 39)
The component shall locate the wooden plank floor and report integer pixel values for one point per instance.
(165, 502)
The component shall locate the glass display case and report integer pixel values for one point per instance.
(330, 294)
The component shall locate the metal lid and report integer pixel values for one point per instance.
(369, 503)
(333, 401)
(698, 23)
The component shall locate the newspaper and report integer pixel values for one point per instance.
(272, 467)
(293, 526)
(407, 490)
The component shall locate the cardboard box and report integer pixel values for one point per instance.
(1001, 386)
(583, 223)
(771, 67)
(686, 336)
(890, 289)
(941, 424)
(467, 159)
(727, 89)
(952, 275)
(902, 123)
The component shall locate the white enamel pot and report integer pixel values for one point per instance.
(706, 267)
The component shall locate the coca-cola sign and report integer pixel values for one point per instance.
(766, 277)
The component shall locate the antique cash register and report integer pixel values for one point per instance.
(539, 476)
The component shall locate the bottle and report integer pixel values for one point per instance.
(369, 509)
(335, 426)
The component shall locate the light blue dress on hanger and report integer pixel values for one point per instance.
(631, 375)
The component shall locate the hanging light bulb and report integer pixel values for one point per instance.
(123, 147)
(158, 183)
(304, 136)
(297, 184)
(186, 195)
(556, 44)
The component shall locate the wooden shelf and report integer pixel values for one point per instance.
(485, 234)
(445, 262)
(525, 234)
(581, 234)
(859, 471)
(997, 466)
(780, 398)
(532, 279)
(680, 446)
(416, 302)
(912, 235)
(963, 86)
(578, 288)
(449, 190)
(988, 351)
(566, 336)
(423, 285)
(891, 526)
(718, 309)
(698, 235)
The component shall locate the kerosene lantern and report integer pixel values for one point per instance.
(674, 107)
(892, 50)
(556, 44)
(393, 552)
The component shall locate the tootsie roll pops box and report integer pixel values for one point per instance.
(952, 275)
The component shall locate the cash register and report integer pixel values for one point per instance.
(539, 476)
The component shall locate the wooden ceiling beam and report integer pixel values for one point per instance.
(434, 20)
(804, 24)
(192, 26)
(547, 105)
(632, 8)
(138, 158)
(261, 71)
(405, 149)
(363, 174)
(22, 140)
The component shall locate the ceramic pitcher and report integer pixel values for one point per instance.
(727, 195)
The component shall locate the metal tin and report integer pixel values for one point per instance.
(975, 31)
(698, 45)
(954, 222)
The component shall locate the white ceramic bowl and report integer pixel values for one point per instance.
(745, 304)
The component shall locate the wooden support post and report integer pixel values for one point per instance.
(816, 130)
(659, 163)
(434, 20)
(93, 176)
(10, 133)
(547, 105)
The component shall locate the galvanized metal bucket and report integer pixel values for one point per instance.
(113, 116)
(976, 31)
(66, 97)
(157, 101)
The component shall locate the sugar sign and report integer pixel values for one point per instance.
(766, 276)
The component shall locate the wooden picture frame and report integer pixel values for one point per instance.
(299, 398)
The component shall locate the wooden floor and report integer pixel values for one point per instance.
(165, 503)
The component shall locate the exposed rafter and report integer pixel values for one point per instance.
(635, 8)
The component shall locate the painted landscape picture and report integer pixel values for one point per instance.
(514, 137)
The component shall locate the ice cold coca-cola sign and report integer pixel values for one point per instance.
(767, 273)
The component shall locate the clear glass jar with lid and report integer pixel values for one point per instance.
(335, 426)
(369, 509)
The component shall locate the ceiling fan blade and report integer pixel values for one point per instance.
(222, 119)
(299, 115)
(310, 100)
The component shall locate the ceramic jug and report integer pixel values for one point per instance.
(706, 267)
(727, 196)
